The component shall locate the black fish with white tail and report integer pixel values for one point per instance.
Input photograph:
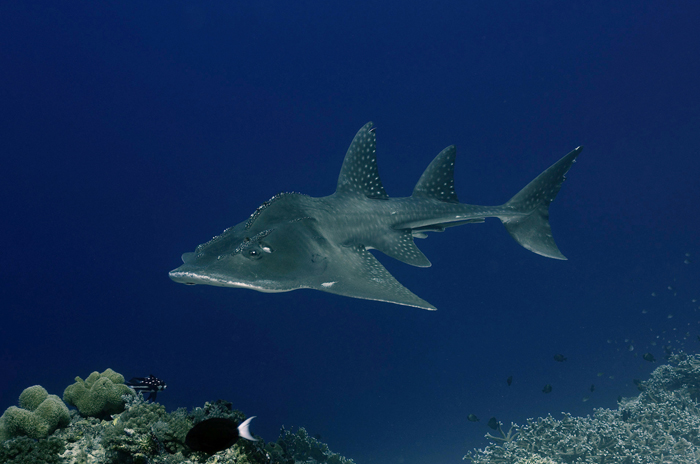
(294, 241)
(217, 434)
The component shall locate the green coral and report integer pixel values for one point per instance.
(100, 395)
(83, 441)
(38, 416)
(32, 397)
(142, 434)
(172, 430)
(145, 431)
(25, 450)
(130, 434)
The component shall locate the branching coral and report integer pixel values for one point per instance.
(661, 425)
(301, 447)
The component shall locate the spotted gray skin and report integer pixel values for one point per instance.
(295, 241)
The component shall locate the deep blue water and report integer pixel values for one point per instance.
(132, 132)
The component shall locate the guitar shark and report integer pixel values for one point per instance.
(295, 241)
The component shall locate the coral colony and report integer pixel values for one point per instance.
(113, 424)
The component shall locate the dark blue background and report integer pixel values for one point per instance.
(132, 131)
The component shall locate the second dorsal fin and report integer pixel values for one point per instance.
(438, 181)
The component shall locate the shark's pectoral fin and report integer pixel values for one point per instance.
(353, 271)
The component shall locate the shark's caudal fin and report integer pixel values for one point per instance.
(532, 231)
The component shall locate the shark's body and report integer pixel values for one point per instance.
(295, 241)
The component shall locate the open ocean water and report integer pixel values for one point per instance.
(131, 132)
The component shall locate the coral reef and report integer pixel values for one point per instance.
(100, 395)
(302, 448)
(661, 425)
(24, 450)
(38, 415)
(142, 433)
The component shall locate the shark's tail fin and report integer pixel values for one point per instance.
(532, 230)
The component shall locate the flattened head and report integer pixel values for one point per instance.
(272, 251)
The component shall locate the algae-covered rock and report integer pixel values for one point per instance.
(100, 395)
(38, 416)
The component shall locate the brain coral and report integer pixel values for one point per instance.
(38, 416)
(100, 395)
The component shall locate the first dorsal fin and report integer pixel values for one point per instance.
(359, 174)
(438, 181)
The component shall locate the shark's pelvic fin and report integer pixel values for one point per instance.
(398, 244)
(533, 231)
(359, 174)
(438, 179)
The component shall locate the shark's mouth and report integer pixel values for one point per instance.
(193, 278)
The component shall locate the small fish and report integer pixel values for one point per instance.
(547, 389)
(559, 358)
(217, 434)
(640, 385)
(509, 380)
(592, 387)
(151, 385)
(472, 418)
(494, 423)
(649, 357)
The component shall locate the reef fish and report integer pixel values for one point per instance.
(151, 385)
(294, 241)
(217, 434)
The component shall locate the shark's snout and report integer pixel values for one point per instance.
(182, 277)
